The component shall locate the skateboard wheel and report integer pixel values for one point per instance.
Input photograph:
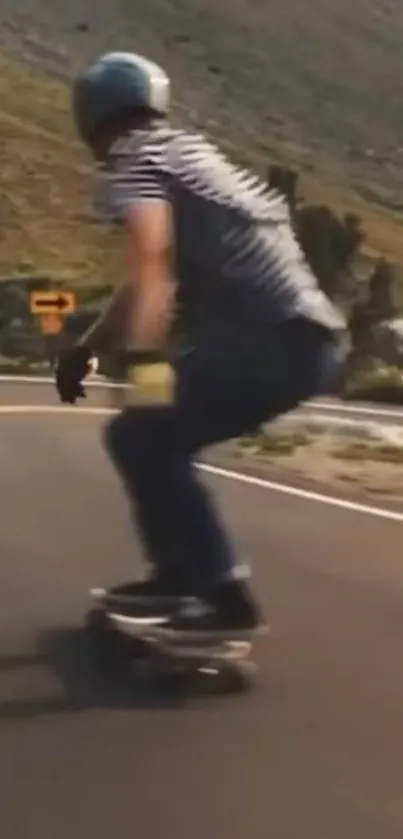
(97, 621)
(107, 649)
(238, 677)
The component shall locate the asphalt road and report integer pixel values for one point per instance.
(313, 752)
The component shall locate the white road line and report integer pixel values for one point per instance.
(229, 474)
(56, 409)
(378, 512)
(48, 380)
(108, 385)
(352, 409)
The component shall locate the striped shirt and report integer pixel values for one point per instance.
(239, 267)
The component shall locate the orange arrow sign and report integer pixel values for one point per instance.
(52, 302)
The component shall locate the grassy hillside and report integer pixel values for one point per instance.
(44, 182)
(44, 174)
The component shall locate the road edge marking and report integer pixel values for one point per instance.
(217, 471)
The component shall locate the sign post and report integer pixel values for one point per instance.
(51, 324)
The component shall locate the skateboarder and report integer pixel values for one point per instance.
(210, 259)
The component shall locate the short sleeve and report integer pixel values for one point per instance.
(130, 180)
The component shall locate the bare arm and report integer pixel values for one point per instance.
(149, 247)
(140, 311)
(141, 308)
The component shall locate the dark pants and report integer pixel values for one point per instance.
(153, 448)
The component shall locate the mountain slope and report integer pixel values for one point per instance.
(318, 72)
(313, 82)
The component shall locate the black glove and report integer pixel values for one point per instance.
(72, 366)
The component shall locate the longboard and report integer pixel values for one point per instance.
(215, 656)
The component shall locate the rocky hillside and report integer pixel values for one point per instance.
(322, 75)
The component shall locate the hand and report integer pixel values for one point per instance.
(72, 366)
(154, 384)
(152, 376)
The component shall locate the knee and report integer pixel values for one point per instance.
(113, 436)
(124, 438)
(133, 437)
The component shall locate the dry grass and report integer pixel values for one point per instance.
(367, 452)
(45, 184)
(274, 444)
(266, 444)
(362, 467)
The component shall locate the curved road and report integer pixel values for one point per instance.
(334, 409)
(314, 752)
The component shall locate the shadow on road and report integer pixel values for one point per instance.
(82, 682)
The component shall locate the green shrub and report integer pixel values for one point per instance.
(377, 383)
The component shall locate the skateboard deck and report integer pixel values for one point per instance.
(228, 660)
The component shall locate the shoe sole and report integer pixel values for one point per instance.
(108, 600)
(156, 630)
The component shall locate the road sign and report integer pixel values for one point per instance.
(52, 302)
(51, 324)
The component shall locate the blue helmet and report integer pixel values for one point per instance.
(118, 82)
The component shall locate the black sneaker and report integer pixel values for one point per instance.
(229, 614)
(152, 597)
